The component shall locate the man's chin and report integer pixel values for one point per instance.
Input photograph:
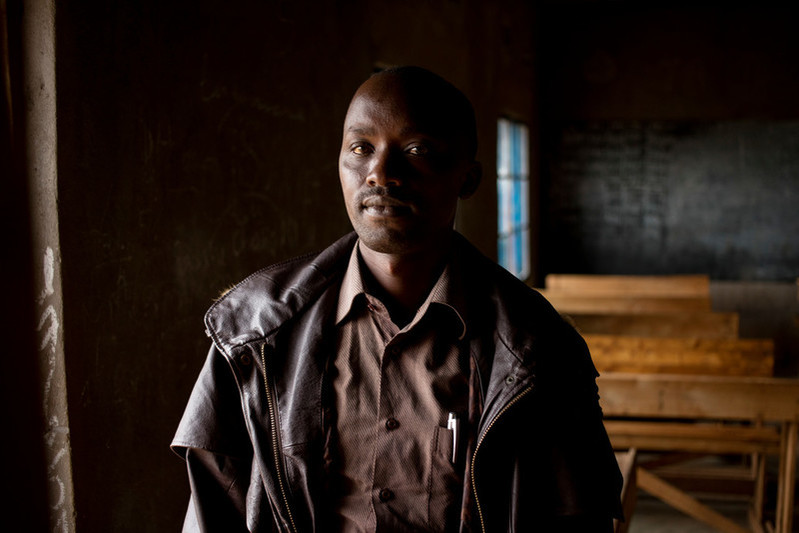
(388, 245)
(389, 241)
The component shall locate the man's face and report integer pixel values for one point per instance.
(401, 173)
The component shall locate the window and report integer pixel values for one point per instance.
(513, 197)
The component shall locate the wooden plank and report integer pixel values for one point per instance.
(688, 444)
(758, 434)
(667, 460)
(691, 437)
(699, 397)
(694, 324)
(723, 357)
(685, 503)
(712, 482)
(756, 508)
(603, 285)
(570, 303)
(755, 523)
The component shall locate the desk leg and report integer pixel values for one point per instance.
(681, 501)
(787, 481)
(756, 508)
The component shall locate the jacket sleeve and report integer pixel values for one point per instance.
(218, 493)
(213, 440)
(593, 523)
(588, 477)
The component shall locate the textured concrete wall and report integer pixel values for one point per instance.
(196, 143)
(39, 34)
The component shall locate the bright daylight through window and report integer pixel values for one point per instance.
(513, 197)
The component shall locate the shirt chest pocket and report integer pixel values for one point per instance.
(445, 483)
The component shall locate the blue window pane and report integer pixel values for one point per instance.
(513, 197)
(504, 206)
(524, 210)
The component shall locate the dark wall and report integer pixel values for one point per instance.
(25, 477)
(198, 142)
(672, 139)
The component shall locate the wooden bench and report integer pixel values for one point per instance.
(764, 413)
(663, 325)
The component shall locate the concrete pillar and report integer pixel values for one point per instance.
(39, 95)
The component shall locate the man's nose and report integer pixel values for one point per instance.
(385, 170)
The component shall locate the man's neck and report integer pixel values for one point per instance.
(404, 280)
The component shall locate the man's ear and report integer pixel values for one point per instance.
(473, 177)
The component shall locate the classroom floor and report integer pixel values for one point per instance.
(653, 516)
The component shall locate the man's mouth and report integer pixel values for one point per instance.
(386, 206)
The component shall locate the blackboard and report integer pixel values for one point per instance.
(664, 197)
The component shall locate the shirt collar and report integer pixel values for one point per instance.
(351, 285)
(446, 292)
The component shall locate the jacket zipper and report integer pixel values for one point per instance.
(477, 449)
(273, 422)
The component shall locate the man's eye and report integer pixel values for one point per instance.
(360, 149)
(418, 149)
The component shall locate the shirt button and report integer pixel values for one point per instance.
(393, 351)
(386, 495)
(392, 423)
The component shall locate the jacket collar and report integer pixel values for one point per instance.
(267, 299)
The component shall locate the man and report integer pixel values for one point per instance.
(398, 380)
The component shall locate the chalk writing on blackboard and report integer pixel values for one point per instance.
(662, 197)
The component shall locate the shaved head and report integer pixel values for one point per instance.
(442, 106)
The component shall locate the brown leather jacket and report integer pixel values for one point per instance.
(255, 428)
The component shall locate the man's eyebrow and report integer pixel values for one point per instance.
(367, 130)
(361, 130)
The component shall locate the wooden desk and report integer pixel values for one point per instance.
(772, 401)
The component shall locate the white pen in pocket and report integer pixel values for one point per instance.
(453, 424)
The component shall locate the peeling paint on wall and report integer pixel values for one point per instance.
(56, 437)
